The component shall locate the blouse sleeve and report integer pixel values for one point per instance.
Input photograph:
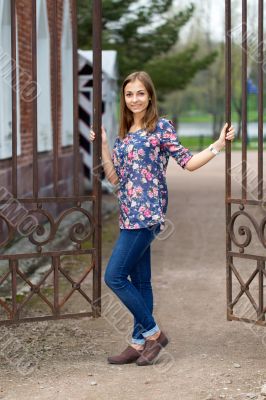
(171, 145)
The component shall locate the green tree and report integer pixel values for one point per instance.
(205, 93)
(175, 71)
(145, 37)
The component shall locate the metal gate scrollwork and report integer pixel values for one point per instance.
(245, 202)
(70, 262)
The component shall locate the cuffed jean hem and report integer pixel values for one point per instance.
(151, 331)
(138, 341)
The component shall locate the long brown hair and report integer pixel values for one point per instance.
(126, 116)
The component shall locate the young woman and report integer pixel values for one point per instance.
(138, 164)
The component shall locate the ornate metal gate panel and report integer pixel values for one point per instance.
(36, 219)
(245, 202)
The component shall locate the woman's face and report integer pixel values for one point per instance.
(136, 97)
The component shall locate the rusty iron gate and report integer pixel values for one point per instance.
(66, 279)
(245, 203)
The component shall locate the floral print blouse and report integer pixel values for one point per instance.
(140, 161)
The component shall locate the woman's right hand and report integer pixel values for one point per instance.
(104, 136)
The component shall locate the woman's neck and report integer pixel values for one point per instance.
(137, 121)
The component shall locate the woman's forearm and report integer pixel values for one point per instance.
(201, 158)
(198, 160)
(108, 165)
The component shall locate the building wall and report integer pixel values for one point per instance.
(24, 14)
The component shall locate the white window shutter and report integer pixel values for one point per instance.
(5, 81)
(44, 114)
(67, 78)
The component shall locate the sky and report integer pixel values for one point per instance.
(215, 8)
(216, 11)
(216, 16)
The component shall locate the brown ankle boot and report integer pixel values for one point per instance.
(127, 356)
(152, 349)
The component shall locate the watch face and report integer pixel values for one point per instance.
(214, 151)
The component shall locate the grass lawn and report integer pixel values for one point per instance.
(194, 117)
(198, 143)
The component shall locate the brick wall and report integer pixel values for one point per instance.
(24, 17)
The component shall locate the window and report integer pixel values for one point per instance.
(6, 84)
(43, 78)
(67, 78)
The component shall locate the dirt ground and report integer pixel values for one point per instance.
(208, 357)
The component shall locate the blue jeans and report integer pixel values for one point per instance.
(131, 257)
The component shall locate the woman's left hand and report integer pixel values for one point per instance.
(226, 134)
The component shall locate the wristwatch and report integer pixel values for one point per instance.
(213, 150)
